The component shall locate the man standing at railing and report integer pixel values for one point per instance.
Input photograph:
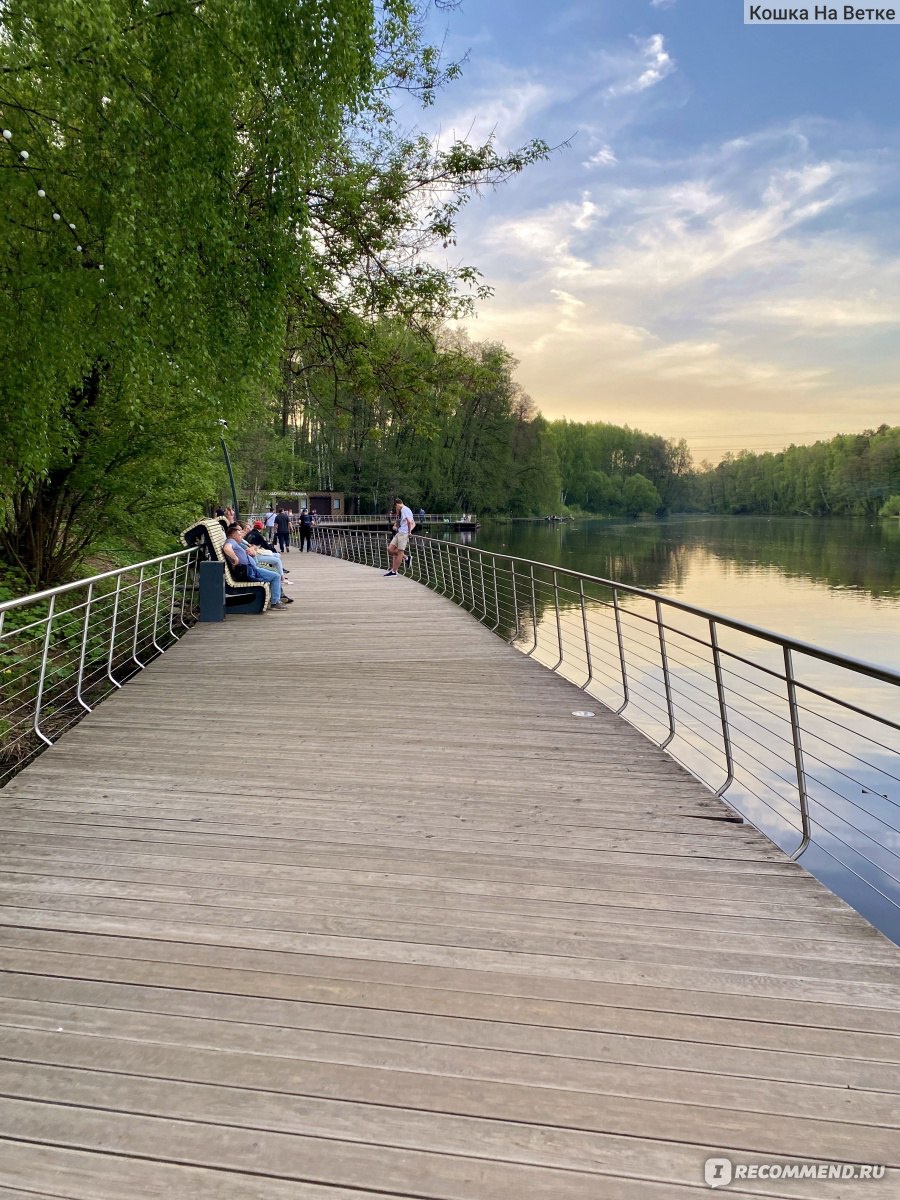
(306, 523)
(404, 524)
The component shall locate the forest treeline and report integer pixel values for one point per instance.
(214, 224)
(468, 438)
(856, 474)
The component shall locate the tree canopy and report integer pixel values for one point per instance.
(199, 196)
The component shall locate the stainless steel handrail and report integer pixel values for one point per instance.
(60, 661)
(778, 738)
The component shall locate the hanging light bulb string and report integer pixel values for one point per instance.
(24, 156)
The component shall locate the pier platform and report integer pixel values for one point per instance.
(345, 901)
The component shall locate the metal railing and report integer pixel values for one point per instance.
(801, 742)
(65, 649)
(388, 518)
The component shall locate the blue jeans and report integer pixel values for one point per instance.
(271, 561)
(273, 579)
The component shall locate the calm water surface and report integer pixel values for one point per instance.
(835, 584)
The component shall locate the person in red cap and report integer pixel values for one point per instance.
(263, 551)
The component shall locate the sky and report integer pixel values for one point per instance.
(714, 251)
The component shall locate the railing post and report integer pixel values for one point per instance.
(534, 620)
(559, 638)
(443, 572)
(660, 628)
(160, 648)
(798, 752)
(112, 633)
(483, 594)
(173, 586)
(43, 675)
(137, 620)
(84, 644)
(723, 708)
(188, 563)
(587, 639)
(622, 665)
(496, 624)
(515, 596)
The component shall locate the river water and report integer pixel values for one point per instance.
(832, 583)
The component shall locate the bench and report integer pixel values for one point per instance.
(240, 596)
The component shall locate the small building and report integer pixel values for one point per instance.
(326, 504)
(292, 501)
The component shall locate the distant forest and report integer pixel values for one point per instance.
(855, 474)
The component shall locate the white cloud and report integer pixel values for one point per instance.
(604, 157)
(506, 106)
(662, 3)
(652, 64)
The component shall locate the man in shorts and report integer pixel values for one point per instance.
(404, 524)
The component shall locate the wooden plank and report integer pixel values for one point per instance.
(448, 908)
(872, 985)
(539, 1138)
(293, 996)
(28, 1003)
(58, 1173)
(816, 1113)
(721, 951)
(284, 970)
(380, 1168)
(658, 1070)
(416, 894)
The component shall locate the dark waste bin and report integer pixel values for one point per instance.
(212, 591)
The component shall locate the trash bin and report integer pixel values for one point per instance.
(212, 591)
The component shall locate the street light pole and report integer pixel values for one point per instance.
(237, 515)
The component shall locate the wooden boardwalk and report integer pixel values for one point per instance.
(344, 902)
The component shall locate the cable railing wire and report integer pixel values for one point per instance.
(90, 637)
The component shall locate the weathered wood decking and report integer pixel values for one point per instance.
(344, 901)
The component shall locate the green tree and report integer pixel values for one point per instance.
(639, 496)
(154, 224)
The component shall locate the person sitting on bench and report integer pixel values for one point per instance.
(265, 553)
(237, 555)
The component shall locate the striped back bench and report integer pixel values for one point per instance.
(240, 596)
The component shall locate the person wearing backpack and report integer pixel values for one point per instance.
(306, 524)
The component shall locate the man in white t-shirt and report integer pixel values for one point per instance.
(404, 524)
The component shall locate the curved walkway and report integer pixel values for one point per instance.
(344, 901)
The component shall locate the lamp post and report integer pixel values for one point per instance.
(224, 425)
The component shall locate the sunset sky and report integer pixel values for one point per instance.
(716, 253)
